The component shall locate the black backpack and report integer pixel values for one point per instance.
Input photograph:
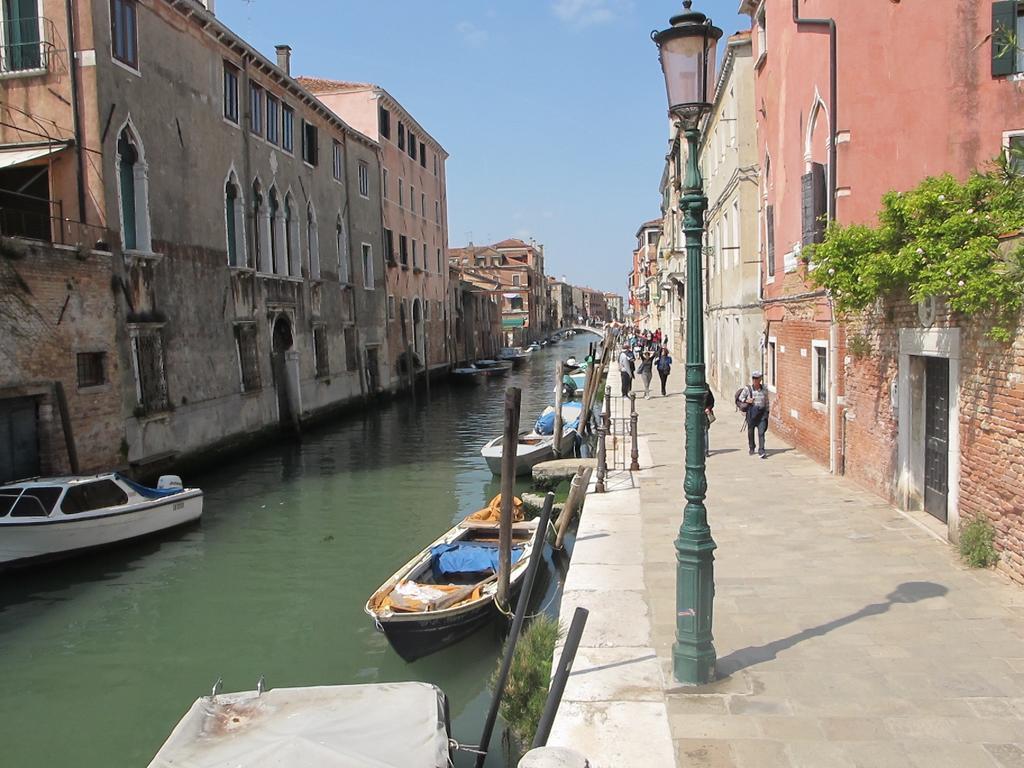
(741, 404)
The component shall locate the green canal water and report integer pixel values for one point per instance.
(100, 656)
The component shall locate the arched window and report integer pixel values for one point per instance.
(341, 240)
(234, 220)
(291, 238)
(312, 243)
(260, 229)
(275, 232)
(133, 192)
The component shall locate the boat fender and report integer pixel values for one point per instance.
(167, 482)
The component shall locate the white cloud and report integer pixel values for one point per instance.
(583, 13)
(472, 35)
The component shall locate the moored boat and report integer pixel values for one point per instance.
(447, 590)
(534, 447)
(389, 725)
(515, 355)
(494, 367)
(45, 518)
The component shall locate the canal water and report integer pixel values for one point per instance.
(100, 656)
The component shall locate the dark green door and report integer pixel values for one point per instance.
(19, 439)
(21, 35)
(936, 429)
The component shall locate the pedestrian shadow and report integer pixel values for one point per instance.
(774, 451)
(908, 592)
(720, 451)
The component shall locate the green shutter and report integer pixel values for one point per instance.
(129, 240)
(1004, 42)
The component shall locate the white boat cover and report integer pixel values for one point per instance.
(391, 725)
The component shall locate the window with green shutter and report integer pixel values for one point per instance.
(1007, 58)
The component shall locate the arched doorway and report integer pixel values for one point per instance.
(418, 334)
(285, 379)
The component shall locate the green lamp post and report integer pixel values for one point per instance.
(687, 53)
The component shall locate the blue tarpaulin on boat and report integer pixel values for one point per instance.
(468, 557)
(546, 423)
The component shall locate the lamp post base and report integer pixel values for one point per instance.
(693, 653)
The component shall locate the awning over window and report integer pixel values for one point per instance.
(513, 322)
(12, 156)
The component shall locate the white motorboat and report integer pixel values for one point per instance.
(515, 355)
(388, 725)
(494, 367)
(56, 517)
(534, 447)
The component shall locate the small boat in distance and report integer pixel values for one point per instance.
(516, 355)
(446, 591)
(534, 447)
(494, 367)
(45, 518)
(389, 725)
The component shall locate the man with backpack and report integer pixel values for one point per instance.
(626, 370)
(753, 402)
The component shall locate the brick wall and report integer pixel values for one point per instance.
(991, 420)
(55, 303)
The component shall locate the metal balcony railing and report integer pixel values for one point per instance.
(33, 218)
(24, 45)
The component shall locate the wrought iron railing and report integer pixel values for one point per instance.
(24, 44)
(34, 218)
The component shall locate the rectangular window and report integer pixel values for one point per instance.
(124, 32)
(426, 309)
(273, 119)
(320, 356)
(391, 307)
(435, 165)
(401, 193)
(310, 143)
(412, 145)
(151, 383)
(1013, 143)
(412, 198)
(351, 354)
(401, 135)
(287, 128)
(367, 267)
(769, 234)
(423, 205)
(92, 369)
(439, 260)
(364, 179)
(248, 356)
(773, 363)
(414, 254)
(389, 246)
(762, 34)
(231, 93)
(423, 155)
(255, 109)
(336, 160)
(820, 374)
(1007, 38)
(21, 49)
(403, 250)
(384, 188)
(384, 119)
(437, 212)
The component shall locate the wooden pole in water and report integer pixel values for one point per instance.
(411, 369)
(426, 357)
(509, 450)
(557, 434)
(577, 493)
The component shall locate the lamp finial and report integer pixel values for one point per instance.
(687, 4)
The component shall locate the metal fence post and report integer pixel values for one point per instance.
(633, 418)
(602, 441)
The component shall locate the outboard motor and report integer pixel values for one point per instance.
(169, 482)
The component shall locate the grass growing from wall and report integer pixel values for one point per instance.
(528, 679)
(977, 544)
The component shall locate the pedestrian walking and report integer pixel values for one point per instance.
(709, 418)
(664, 366)
(626, 370)
(646, 370)
(755, 398)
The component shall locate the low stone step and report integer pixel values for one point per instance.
(548, 474)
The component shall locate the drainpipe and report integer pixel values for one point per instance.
(833, 330)
(75, 109)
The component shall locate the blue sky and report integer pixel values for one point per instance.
(553, 111)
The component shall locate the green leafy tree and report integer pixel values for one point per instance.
(940, 239)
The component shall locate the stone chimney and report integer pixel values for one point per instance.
(208, 4)
(284, 58)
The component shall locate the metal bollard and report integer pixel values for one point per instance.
(633, 418)
(602, 454)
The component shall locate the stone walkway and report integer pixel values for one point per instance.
(848, 634)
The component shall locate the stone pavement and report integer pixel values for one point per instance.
(848, 633)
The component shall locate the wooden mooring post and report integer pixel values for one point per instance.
(509, 450)
(557, 434)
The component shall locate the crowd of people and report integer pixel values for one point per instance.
(645, 351)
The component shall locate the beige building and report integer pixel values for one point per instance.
(733, 316)
(189, 238)
(415, 210)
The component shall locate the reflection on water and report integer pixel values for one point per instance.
(103, 654)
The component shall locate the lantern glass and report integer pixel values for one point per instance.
(688, 62)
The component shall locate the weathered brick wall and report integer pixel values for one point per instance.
(54, 304)
(991, 420)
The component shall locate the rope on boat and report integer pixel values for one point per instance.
(510, 615)
(475, 748)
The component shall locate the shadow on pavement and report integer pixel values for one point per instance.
(908, 592)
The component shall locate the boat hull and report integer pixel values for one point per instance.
(527, 456)
(418, 637)
(31, 542)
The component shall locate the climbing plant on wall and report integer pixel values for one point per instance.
(940, 239)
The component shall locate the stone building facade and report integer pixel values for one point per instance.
(415, 212)
(233, 217)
